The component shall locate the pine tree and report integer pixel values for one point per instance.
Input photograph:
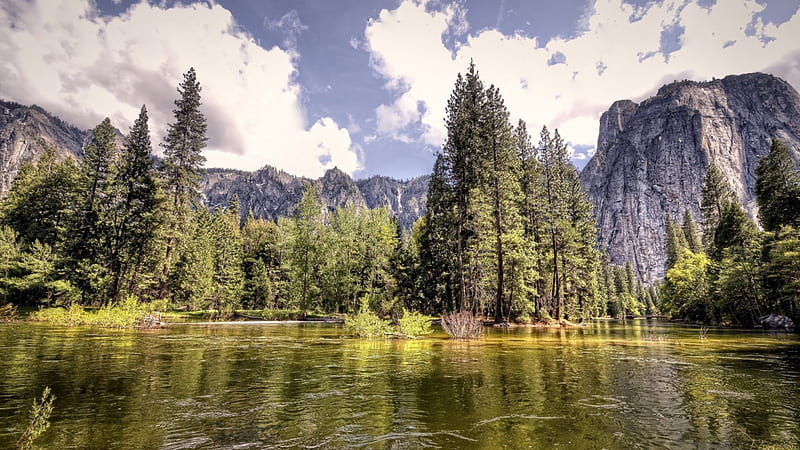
(436, 240)
(675, 242)
(778, 189)
(717, 193)
(499, 187)
(463, 121)
(690, 233)
(304, 252)
(92, 227)
(136, 213)
(532, 210)
(185, 139)
(228, 259)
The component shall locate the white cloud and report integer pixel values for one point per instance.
(62, 56)
(617, 55)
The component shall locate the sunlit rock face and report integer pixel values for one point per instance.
(26, 132)
(652, 157)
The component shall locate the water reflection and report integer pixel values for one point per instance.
(638, 384)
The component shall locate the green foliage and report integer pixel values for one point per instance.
(717, 194)
(38, 419)
(778, 189)
(41, 197)
(281, 314)
(366, 324)
(414, 324)
(8, 313)
(124, 314)
(182, 168)
(687, 287)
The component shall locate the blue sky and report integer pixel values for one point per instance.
(307, 85)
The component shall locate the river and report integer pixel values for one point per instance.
(640, 384)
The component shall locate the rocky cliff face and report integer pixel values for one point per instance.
(271, 193)
(652, 157)
(25, 133)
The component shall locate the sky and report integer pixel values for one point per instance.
(362, 85)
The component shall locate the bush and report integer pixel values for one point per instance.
(414, 324)
(462, 325)
(124, 314)
(39, 419)
(8, 313)
(366, 324)
(281, 314)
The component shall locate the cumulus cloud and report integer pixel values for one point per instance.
(622, 51)
(63, 56)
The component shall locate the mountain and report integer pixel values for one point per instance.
(271, 193)
(25, 133)
(652, 157)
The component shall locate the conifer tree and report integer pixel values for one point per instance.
(499, 187)
(92, 225)
(675, 242)
(228, 259)
(304, 252)
(136, 219)
(463, 120)
(41, 197)
(778, 188)
(183, 144)
(717, 193)
(690, 233)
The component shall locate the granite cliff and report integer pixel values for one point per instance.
(272, 193)
(652, 157)
(26, 132)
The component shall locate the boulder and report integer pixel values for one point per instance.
(775, 321)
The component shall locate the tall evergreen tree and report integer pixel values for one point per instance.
(136, 219)
(675, 242)
(436, 240)
(778, 188)
(693, 240)
(304, 252)
(499, 187)
(183, 144)
(93, 222)
(463, 120)
(717, 193)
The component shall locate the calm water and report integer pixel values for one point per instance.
(642, 384)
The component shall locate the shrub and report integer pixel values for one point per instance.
(124, 314)
(366, 324)
(462, 325)
(414, 324)
(280, 314)
(8, 313)
(39, 419)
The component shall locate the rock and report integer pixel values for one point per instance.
(775, 321)
(271, 193)
(26, 132)
(652, 157)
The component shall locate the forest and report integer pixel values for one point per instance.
(509, 234)
(730, 271)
